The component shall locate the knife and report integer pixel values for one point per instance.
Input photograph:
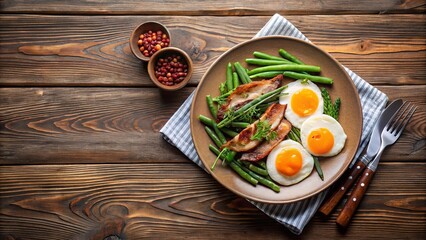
(353, 173)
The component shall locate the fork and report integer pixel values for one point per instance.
(390, 134)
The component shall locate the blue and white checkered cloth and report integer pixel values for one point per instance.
(296, 215)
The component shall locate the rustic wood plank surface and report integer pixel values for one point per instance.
(94, 50)
(81, 156)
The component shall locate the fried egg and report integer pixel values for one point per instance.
(322, 136)
(304, 100)
(289, 163)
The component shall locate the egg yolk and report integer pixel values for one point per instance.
(320, 141)
(304, 102)
(289, 162)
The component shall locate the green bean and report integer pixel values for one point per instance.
(219, 134)
(269, 74)
(212, 107)
(272, 100)
(213, 136)
(261, 179)
(222, 96)
(239, 124)
(229, 132)
(253, 103)
(318, 168)
(235, 80)
(228, 156)
(243, 174)
(229, 81)
(215, 151)
(262, 164)
(287, 67)
(207, 121)
(242, 73)
(266, 62)
(317, 79)
(218, 153)
(267, 56)
(288, 56)
(245, 163)
(262, 108)
(258, 170)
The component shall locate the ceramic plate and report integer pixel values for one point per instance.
(350, 118)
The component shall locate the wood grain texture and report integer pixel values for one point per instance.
(40, 50)
(96, 124)
(182, 201)
(221, 7)
(115, 125)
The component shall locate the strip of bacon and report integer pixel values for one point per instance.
(242, 142)
(245, 93)
(266, 147)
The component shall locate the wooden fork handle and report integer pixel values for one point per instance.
(334, 198)
(353, 201)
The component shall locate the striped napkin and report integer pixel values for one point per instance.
(296, 215)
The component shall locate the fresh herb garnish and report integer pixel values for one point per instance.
(249, 116)
(230, 113)
(263, 131)
(330, 108)
(271, 136)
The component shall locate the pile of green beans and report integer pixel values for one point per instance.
(287, 64)
(234, 77)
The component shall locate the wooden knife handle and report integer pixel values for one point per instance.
(352, 203)
(334, 198)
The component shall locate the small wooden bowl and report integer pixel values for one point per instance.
(143, 28)
(165, 52)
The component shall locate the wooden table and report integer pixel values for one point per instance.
(80, 151)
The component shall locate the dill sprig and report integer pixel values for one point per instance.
(263, 131)
(249, 116)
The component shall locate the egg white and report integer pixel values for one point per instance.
(292, 88)
(324, 121)
(307, 164)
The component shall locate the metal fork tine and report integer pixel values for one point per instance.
(395, 118)
(398, 121)
(406, 120)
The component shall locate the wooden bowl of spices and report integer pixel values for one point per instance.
(170, 68)
(148, 38)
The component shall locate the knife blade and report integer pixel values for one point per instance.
(352, 174)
